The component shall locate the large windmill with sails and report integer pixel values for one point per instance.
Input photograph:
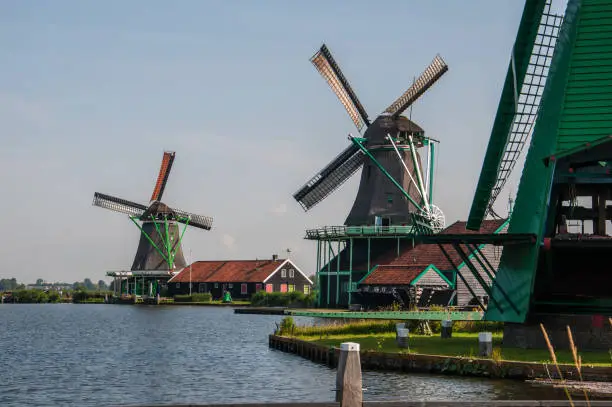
(395, 195)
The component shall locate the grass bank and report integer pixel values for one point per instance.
(462, 344)
(379, 336)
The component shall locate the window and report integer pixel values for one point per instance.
(202, 287)
(257, 287)
(389, 198)
(283, 273)
(283, 288)
(230, 285)
(306, 289)
(269, 288)
(216, 285)
(243, 288)
(291, 273)
(291, 288)
(178, 285)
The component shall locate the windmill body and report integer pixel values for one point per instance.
(394, 199)
(377, 197)
(147, 256)
(159, 254)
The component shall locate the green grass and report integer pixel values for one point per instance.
(461, 344)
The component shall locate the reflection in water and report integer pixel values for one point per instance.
(68, 354)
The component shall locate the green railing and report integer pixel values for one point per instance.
(356, 231)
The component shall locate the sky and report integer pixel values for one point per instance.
(92, 93)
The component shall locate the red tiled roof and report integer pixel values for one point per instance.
(228, 271)
(388, 274)
(431, 254)
(413, 261)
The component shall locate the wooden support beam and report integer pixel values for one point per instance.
(601, 212)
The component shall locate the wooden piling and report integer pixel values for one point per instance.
(348, 377)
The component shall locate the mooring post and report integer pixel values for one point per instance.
(398, 326)
(402, 337)
(485, 344)
(348, 377)
(447, 329)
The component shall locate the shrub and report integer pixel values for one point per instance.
(87, 297)
(294, 298)
(287, 326)
(201, 297)
(198, 297)
(363, 327)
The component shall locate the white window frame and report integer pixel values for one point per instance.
(178, 285)
(291, 273)
(230, 285)
(283, 273)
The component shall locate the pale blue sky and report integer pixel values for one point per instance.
(92, 93)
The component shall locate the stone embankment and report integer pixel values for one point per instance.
(413, 362)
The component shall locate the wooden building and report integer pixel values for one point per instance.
(242, 278)
(424, 276)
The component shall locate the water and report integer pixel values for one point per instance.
(65, 354)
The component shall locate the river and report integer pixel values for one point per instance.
(66, 354)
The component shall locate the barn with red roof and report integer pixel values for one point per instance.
(432, 275)
(242, 278)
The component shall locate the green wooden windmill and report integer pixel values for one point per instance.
(557, 97)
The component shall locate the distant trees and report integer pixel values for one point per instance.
(11, 284)
(102, 285)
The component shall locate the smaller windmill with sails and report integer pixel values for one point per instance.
(159, 252)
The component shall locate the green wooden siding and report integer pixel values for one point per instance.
(587, 107)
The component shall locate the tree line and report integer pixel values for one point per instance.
(11, 284)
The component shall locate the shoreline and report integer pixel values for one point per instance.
(441, 364)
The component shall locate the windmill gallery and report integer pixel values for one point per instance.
(395, 246)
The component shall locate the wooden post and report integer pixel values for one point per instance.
(348, 377)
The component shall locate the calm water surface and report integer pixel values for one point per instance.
(98, 355)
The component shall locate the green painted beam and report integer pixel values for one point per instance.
(393, 315)
(515, 75)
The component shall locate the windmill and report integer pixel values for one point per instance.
(159, 247)
(399, 189)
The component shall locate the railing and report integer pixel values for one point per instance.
(355, 231)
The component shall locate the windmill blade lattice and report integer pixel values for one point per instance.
(328, 68)
(434, 71)
(198, 221)
(528, 102)
(330, 177)
(118, 205)
(162, 178)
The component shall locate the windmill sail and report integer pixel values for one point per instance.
(519, 105)
(162, 178)
(198, 221)
(434, 71)
(328, 68)
(330, 177)
(118, 205)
